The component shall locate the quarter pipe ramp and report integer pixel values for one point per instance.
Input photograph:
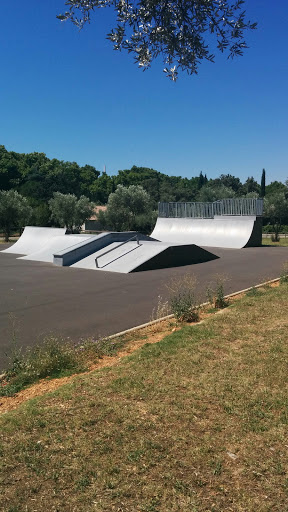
(233, 232)
(53, 245)
(33, 239)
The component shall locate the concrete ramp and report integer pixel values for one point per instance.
(232, 232)
(55, 244)
(33, 239)
(148, 255)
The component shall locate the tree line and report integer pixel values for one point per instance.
(37, 178)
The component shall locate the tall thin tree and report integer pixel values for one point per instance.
(263, 183)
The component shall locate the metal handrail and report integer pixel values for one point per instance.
(238, 206)
(113, 248)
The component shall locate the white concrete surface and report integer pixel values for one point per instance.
(33, 238)
(122, 259)
(55, 244)
(227, 232)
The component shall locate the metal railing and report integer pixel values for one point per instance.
(117, 247)
(232, 207)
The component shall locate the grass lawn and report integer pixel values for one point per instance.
(283, 242)
(197, 422)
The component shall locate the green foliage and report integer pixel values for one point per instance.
(181, 33)
(228, 181)
(15, 211)
(125, 207)
(263, 184)
(269, 228)
(50, 359)
(37, 178)
(182, 299)
(145, 222)
(210, 193)
(275, 187)
(70, 212)
(183, 306)
(251, 185)
(215, 292)
(276, 209)
(53, 358)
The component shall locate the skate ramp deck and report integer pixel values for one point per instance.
(33, 239)
(228, 232)
(148, 255)
(68, 257)
(55, 244)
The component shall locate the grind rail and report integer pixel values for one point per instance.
(135, 237)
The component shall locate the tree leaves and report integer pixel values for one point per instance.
(175, 30)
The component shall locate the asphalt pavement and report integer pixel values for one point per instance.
(40, 299)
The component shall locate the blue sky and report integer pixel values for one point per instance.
(70, 95)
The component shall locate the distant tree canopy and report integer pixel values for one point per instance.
(37, 178)
(182, 33)
(69, 211)
(124, 208)
(15, 211)
(276, 210)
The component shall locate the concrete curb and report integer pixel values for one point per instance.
(162, 319)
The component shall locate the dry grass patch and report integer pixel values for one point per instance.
(197, 422)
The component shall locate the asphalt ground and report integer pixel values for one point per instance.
(39, 299)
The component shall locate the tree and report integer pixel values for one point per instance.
(15, 211)
(201, 181)
(263, 183)
(250, 185)
(176, 30)
(276, 209)
(70, 212)
(124, 208)
(276, 186)
(210, 193)
(228, 181)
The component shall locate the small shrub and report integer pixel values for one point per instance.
(183, 307)
(182, 300)
(215, 293)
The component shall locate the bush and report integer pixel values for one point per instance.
(183, 307)
(182, 301)
(215, 293)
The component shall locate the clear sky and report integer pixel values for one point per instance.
(70, 95)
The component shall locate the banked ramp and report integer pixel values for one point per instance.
(55, 244)
(33, 239)
(233, 232)
(148, 255)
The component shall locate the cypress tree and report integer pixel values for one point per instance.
(263, 183)
(201, 181)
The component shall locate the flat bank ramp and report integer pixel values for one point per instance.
(148, 255)
(33, 239)
(55, 244)
(228, 232)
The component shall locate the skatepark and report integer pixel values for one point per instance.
(54, 286)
